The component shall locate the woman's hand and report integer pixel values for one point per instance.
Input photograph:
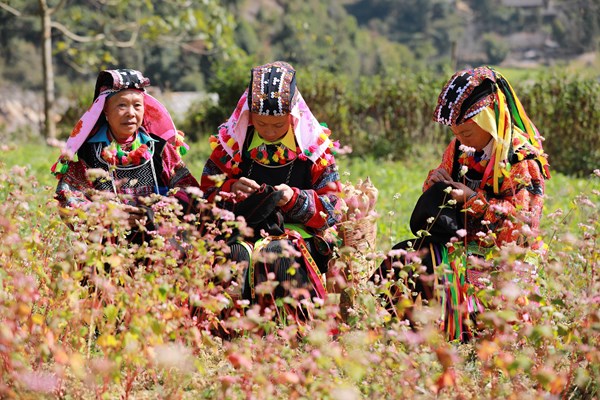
(461, 192)
(439, 175)
(244, 187)
(288, 193)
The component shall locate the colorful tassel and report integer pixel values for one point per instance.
(59, 168)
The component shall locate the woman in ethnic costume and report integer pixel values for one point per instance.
(280, 174)
(130, 135)
(491, 186)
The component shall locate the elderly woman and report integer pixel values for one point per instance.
(278, 171)
(131, 136)
(487, 192)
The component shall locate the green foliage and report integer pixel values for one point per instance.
(229, 80)
(24, 69)
(80, 101)
(166, 39)
(578, 25)
(426, 27)
(564, 108)
(386, 116)
(496, 49)
(492, 17)
(175, 41)
(375, 115)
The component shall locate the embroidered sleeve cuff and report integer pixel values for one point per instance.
(226, 186)
(292, 201)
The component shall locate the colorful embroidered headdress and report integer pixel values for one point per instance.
(272, 88)
(272, 91)
(157, 119)
(486, 96)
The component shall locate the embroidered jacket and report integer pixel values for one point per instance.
(514, 212)
(163, 172)
(316, 186)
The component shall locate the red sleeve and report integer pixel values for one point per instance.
(217, 174)
(318, 207)
(515, 214)
(447, 163)
(74, 187)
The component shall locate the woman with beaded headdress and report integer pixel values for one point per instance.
(488, 191)
(277, 169)
(130, 135)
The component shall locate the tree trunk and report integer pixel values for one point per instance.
(49, 122)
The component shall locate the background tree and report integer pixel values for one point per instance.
(577, 27)
(427, 27)
(87, 35)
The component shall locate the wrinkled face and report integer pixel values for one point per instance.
(271, 127)
(124, 113)
(472, 135)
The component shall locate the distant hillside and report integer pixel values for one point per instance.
(485, 30)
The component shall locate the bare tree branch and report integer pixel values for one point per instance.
(11, 10)
(129, 43)
(99, 37)
(108, 2)
(196, 50)
(125, 27)
(74, 36)
(77, 67)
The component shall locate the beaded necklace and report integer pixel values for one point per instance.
(473, 162)
(271, 154)
(115, 154)
(477, 160)
(281, 152)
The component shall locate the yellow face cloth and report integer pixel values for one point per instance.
(500, 131)
(288, 140)
(486, 119)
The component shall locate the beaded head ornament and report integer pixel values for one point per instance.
(272, 88)
(157, 119)
(486, 96)
(272, 91)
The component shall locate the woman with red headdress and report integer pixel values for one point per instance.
(273, 164)
(487, 192)
(130, 135)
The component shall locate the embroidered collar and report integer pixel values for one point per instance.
(477, 162)
(487, 150)
(280, 152)
(114, 154)
(102, 136)
(288, 140)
